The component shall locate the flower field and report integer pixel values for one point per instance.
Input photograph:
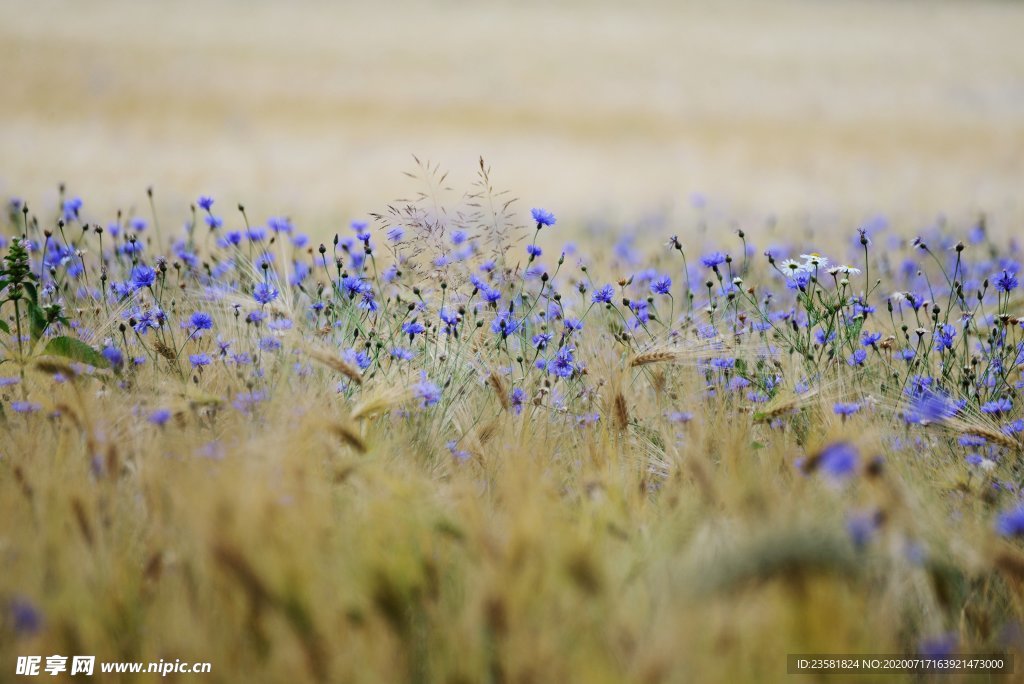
(451, 442)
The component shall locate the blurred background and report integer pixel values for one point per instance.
(584, 106)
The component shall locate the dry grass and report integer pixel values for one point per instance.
(331, 536)
(307, 548)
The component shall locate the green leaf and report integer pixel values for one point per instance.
(33, 294)
(6, 328)
(37, 319)
(76, 350)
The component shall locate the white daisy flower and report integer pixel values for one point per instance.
(815, 260)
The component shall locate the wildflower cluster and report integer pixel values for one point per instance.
(440, 303)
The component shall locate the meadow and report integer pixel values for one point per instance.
(720, 362)
(451, 445)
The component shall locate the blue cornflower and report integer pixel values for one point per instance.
(997, 407)
(800, 281)
(944, 337)
(205, 203)
(490, 294)
(413, 328)
(232, 237)
(563, 364)
(367, 302)
(713, 260)
(640, 310)
(450, 319)
(543, 217)
(838, 460)
(1011, 523)
(846, 409)
(25, 406)
(145, 322)
(516, 397)
(930, 406)
(214, 222)
(457, 453)
(264, 260)
(603, 295)
(533, 251)
(359, 358)
(280, 224)
(863, 309)
(1005, 282)
(114, 356)
(915, 300)
(25, 618)
(131, 248)
(738, 383)
(160, 417)
(71, 208)
(190, 258)
(870, 339)
(200, 360)
(264, 293)
(938, 647)
(245, 402)
(573, 325)
(1014, 427)
(201, 320)
(402, 354)
(269, 344)
(256, 235)
(662, 286)
(427, 392)
(822, 338)
(143, 276)
(504, 324)
(723, 363)
(857, 358)
(354, 285)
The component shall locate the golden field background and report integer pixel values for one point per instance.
(314, 108)
(287, 526)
